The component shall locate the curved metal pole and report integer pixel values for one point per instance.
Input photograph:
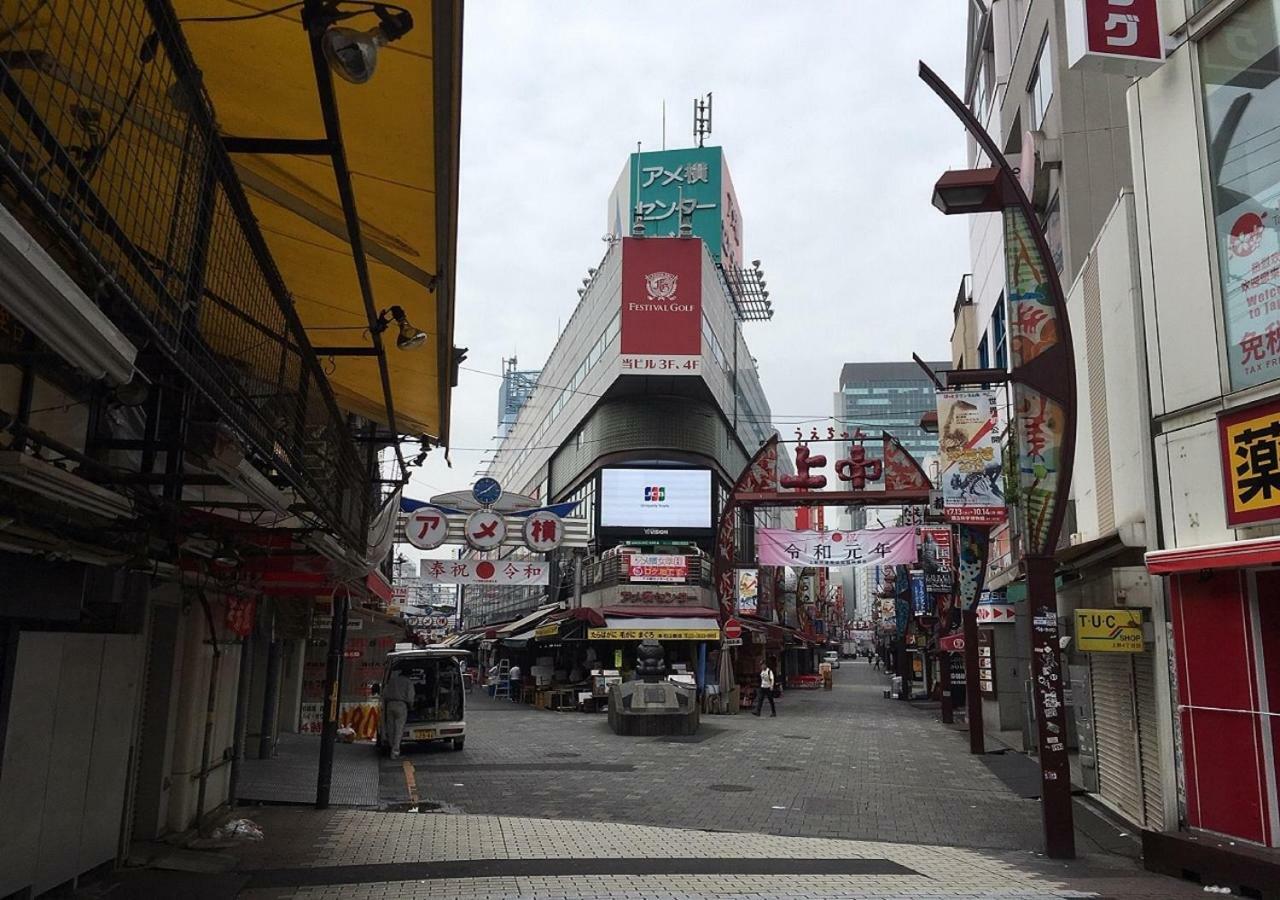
(1053, 373)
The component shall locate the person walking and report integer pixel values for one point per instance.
(765, 690)
(876, 662)
(397, 694)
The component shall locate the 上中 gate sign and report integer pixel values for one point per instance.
(869, 547)
(1250, 443)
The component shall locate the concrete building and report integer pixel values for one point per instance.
(1068, 132)
(649, 405)
(888, 396)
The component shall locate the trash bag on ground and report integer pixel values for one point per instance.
(240, 830)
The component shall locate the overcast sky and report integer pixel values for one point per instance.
(832, 140)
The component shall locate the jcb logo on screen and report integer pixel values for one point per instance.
(655, 494)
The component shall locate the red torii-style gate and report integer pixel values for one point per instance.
(759, 486)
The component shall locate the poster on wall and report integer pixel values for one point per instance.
(972, 461)
(937, 560)
(1249, 257)
(748, 591)
(661, 306)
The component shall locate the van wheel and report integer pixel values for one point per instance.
(457, 743)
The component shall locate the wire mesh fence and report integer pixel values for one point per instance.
(108, 139)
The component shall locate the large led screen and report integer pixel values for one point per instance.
(655, 498)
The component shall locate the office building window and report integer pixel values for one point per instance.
(1040, 89)
(999, 335)
(1241, 108)
(984, 353)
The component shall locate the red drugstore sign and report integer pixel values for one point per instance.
(1122, 37)
(661, 321)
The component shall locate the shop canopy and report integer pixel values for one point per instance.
(660, 628)
(1232, 555)
(400, 135)
(510, 631)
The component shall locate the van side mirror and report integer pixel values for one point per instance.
(375, 688)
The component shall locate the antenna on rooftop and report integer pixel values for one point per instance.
(702, 118)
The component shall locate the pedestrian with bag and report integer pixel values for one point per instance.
(765, 690)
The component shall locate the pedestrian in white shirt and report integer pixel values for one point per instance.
(765, 690)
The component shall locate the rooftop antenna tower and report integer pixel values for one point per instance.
(702, 118)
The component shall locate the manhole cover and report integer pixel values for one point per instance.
(797, 737)
(783, 768)
(563, 755)
(731, 788)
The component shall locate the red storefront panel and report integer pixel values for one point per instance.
(1269, 627)
(1223, 758)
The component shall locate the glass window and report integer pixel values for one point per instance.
(1240, 69)
(1040, 88)
(999, 335)
(984, 354)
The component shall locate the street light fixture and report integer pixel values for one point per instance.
(1044, 399)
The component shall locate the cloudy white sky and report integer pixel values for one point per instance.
(832, 140)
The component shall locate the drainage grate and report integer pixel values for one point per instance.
(562, 755)
(797, 737)
(731, 788)
(527, 767)
(783, 768)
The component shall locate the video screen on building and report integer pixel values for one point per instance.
(655, 501)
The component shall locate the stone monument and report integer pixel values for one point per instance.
(650, 704)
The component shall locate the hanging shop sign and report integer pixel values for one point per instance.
(748, 592)
(937, 559)
(986, 663)
(1119, 37)
(653, 634)
(485, 530)
(427, 527)
(1109, 630)
(661, 320)
(645, 567)
(1250, 444)
(543, 531)
(497, 572)
(996, 612)
(951, 643)
(868, 547)
(972, 462)
(920, 605)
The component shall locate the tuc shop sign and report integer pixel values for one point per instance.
(1249, 440)
(661, 321)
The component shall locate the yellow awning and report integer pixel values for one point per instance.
(400, 131)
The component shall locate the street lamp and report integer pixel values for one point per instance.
(1044, 403)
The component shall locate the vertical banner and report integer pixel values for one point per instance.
(919, 595)
(972, 550)
(937, 559)
(661, 319)
(748, 591)
(972, 459)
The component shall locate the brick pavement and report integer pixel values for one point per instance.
(548, 805)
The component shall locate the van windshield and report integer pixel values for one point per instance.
(437, 687)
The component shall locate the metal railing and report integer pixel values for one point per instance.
(109, 148)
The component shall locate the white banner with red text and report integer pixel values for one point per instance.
(869, 547)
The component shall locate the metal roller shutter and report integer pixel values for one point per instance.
(1144, 679)
(1119, 769)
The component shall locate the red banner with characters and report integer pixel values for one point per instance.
(661, 306)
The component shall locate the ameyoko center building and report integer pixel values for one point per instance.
(648, 407)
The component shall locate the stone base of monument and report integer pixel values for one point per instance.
(646, 708)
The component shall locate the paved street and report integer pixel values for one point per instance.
(841, 764)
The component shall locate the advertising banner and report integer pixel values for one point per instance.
(665, 569)
(1249, 251)
(972, 462)
(869, 547)
(748, 591)
(654, 501)
(515, 573)
(920, 605)
(661, 184)
(661, 306)
(937, 559)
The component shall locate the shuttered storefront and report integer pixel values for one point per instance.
(1125, 723)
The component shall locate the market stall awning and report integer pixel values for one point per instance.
(1232, 555)
(527, 623)
(400, 135)
(659, 628)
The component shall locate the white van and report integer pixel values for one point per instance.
(438, 712)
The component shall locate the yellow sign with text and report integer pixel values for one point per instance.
(547, 631)
(650, 634)
(1109, 630)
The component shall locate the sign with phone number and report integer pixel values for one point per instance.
(634, 634)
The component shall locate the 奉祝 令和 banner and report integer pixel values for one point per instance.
(972, 462)
(870, 547)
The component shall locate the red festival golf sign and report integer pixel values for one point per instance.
(661, 306)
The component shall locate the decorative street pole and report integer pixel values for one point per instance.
(1044, 399)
